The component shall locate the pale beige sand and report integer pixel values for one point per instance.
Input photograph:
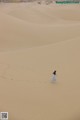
(35, 40)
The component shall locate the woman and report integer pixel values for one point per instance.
(54, 76)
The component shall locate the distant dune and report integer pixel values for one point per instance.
(35, 40)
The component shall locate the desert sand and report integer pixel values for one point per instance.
(35, 40)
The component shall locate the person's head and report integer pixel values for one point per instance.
(54, 72)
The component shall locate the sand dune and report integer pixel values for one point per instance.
(35, 40)
(21, 33)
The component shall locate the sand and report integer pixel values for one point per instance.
(34, 41)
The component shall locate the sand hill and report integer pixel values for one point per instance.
(35, 40)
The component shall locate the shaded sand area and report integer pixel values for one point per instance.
(35, 40)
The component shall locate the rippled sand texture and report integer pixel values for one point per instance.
(34, 41)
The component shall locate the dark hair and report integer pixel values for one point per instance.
(54, 72)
